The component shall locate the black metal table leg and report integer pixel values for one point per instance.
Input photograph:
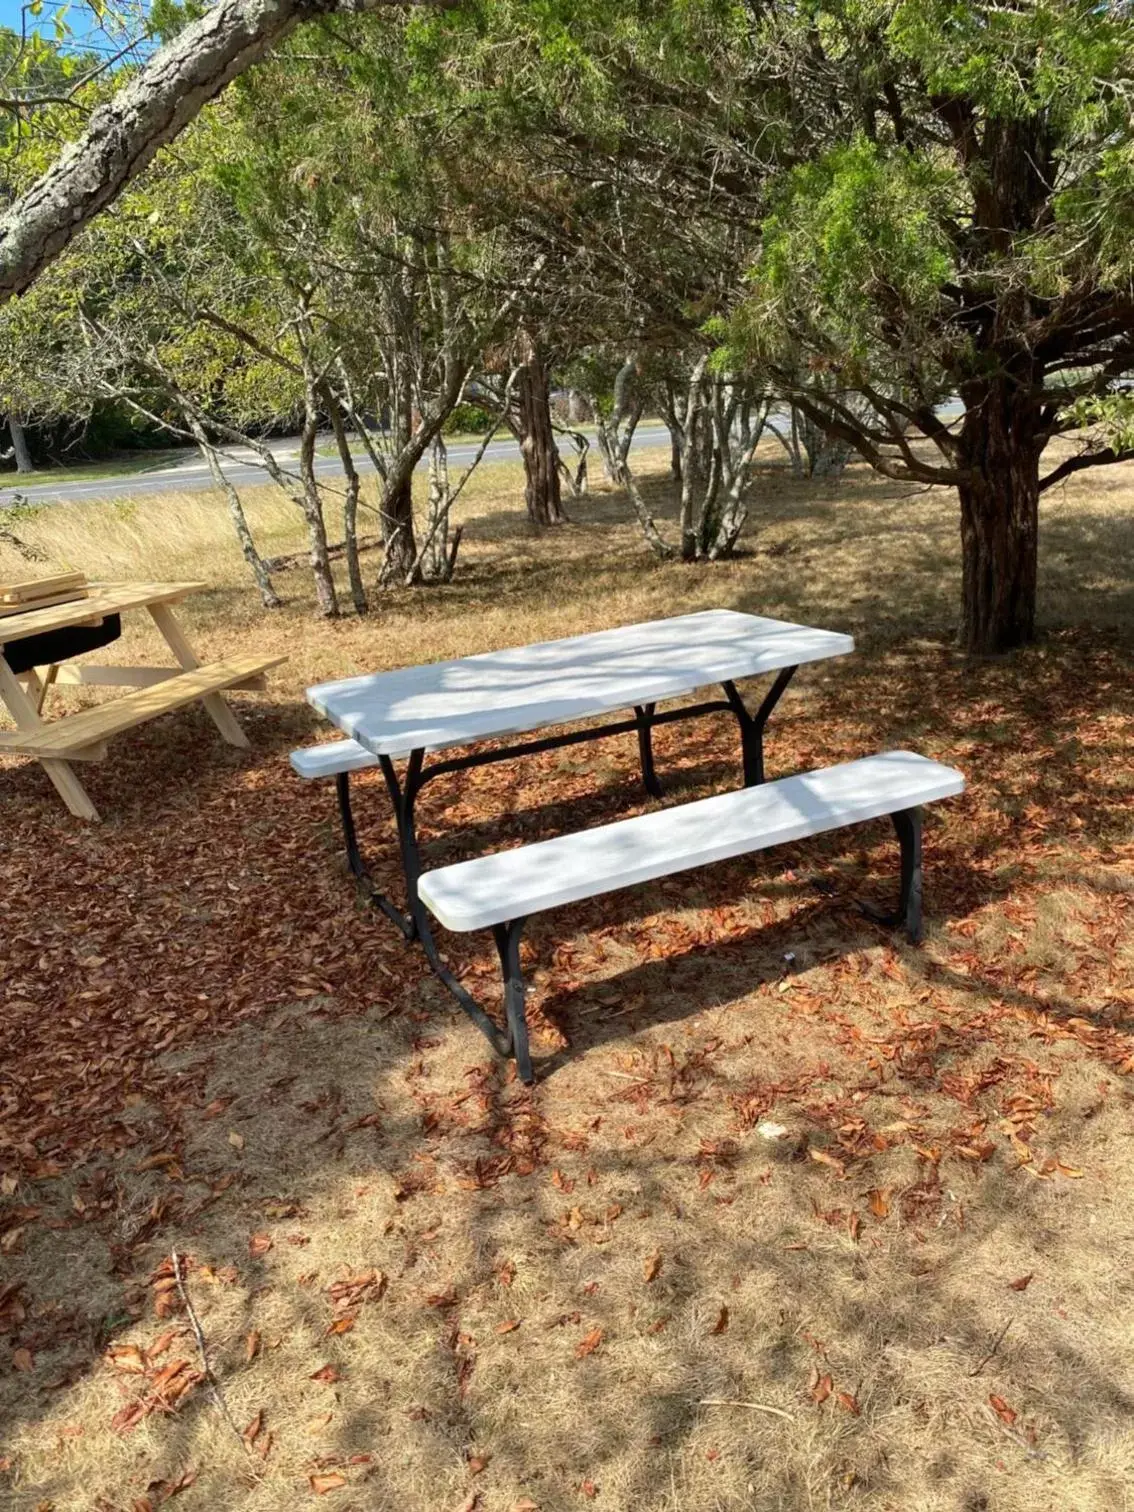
(358, 866)
(752, 725)
(643, 716)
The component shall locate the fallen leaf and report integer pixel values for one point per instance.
(478, 1462)
(824, 1157)
(879, 1200)
(341, 1326)
(525, 1504)
(252, 1345)
(850, 1403)
(128, 1358)
(589, 1489)
(259, 1244)
(328, 1374)
(651, 1266)
(721, 1325)
(508, 1326)
(235, 1140)
(161, 1343)
(128, 1417)
(471, 1502)
(22, 1359)
(254, 1429)
(507, 1273)
(589, 1344)
(820, 1388)
(328, 1480)
(1021, 1283)
(1002, 1410)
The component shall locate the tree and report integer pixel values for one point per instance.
(151, 109)
(532, 425)
(959, 226)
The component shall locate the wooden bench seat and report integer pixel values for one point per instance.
(84, 735)
(500, 891)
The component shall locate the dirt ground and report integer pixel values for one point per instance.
(797, 1217)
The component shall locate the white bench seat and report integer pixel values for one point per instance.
(332, 758)
(500, 891)
(514, 884)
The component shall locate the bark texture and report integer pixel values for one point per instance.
(20, 450)
(537, 441)
(124, 134)
(256, 564)
(1000, 450)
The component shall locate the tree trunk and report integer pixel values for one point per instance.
(259, 568)
(24, 463)
(350, 505)
(397, 532)
(537, 442)
(1000, 450)
(312, 505)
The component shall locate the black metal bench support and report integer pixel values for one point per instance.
(907, 823)
(413, 921)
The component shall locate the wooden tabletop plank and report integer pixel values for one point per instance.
(103, 599)
(528, 687)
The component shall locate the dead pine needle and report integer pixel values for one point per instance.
(995, 1346)
(754, 1406)
(202, 1350)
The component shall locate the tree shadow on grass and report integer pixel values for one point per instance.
(485, 1207)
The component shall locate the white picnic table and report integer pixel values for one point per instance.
(452, 703)
(440, 706)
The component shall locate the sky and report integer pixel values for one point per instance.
(87, 34)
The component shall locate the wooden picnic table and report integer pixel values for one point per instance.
(155, 690)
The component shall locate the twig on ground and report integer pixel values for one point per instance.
(303, 558)
(995, 1346)
(755, 1406)
(202, 1350)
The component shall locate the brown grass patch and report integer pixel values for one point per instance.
(445, 1292)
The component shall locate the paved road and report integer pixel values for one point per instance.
(244, 472)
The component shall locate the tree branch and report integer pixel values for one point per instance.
(151, 110)
(1083, 460)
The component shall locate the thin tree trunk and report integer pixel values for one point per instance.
(1000, 449)
(537, 441)
(312, 505)
(350, 506)
(398, 531)
(259, 568)
(23, 456)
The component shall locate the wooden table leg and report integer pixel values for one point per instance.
(220, 713)
(26, 715)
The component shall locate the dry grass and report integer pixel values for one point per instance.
(207, 1041)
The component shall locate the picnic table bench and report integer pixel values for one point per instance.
(501, 891)
(38, 633)
(414, 713)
